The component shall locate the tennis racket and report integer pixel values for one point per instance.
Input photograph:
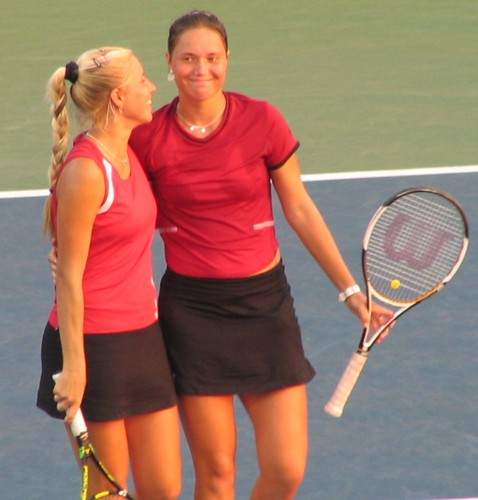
(87, 456)
(413, 246)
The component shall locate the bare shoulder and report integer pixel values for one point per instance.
(82, 179)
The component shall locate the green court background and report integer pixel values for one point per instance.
(365, 84)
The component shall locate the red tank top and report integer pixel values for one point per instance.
(119, 291)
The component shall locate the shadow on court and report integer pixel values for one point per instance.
(410, 430)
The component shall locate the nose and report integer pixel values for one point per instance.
(152, 87)
(200, 67)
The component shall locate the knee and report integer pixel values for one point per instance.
(217, 474)
(293, 478)
(285, 477)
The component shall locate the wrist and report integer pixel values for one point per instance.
(348, 292)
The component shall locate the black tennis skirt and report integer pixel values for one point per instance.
(127, 374)
(232, 336)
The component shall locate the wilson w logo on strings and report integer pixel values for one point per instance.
(415, 242)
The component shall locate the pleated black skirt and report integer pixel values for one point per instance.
(128, 374)
(232, 336)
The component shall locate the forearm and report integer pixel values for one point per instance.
(313, 231)
(70, 304)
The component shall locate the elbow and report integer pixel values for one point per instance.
(296, 217)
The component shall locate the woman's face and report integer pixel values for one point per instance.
(199, 64)
(138, 95)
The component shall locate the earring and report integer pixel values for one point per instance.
(170, 76)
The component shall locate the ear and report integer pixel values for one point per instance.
(167, 55)
(117, 98)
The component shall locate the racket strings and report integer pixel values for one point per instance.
(414, 245)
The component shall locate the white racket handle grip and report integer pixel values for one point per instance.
(78, 426)
(337, 402)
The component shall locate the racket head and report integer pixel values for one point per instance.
(414, 245)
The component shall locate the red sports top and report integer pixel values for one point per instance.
(214, 193)
(118, 286)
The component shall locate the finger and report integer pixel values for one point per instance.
(70, 413)
(62, 405)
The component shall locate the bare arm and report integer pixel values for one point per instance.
(80, 193)
(307, 221)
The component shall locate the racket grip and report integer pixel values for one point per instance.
(337, 402)
(78, 426)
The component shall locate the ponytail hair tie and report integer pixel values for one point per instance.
(71, 72)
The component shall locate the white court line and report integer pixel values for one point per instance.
(467, 169)
(24, 194)
(464, 169)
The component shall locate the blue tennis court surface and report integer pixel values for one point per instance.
(410, 430)
(365, 85)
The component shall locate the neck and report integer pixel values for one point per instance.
(110, 143)
(201, 111)
(202, 117)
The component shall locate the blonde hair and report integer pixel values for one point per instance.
(94, 75)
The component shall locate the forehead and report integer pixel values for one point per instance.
(136, 64)
(136, 67)
(196, 40)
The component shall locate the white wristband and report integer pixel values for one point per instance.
(348, 292)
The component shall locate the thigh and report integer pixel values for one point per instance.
(154, 445)
(210, 427)
(280, 425)
(111, 445)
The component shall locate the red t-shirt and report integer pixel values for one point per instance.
(214, 193)
(119, 292)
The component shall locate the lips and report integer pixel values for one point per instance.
(199, 82)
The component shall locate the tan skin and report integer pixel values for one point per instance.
(150, 440)
(199, 63)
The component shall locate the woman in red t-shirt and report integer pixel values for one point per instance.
(226, 308)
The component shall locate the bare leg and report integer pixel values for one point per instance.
(210, 427)
(280, 424)
(111, 446)
(154, 445)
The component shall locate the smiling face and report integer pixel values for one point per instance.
(199, 63)
(137, 95)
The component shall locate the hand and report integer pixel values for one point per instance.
(68, 394)
(380, 315)
(52, 261)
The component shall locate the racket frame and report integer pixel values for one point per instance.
(366, 344)
(335, 406)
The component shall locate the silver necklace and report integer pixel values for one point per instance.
(94, 139)
(201, 128)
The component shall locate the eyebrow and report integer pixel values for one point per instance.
(216, 53)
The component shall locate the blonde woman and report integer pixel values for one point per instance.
(103, 333)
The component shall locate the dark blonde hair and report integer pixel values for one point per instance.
(195, 19)
(93, 76)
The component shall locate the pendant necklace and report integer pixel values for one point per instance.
(201, 128)
(94, 139)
